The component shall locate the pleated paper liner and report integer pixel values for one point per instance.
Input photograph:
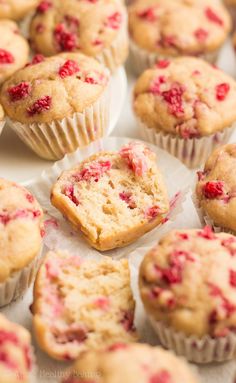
(141, 59)
(192, 152)
(54, 139)
(204, 350)
(17, 284)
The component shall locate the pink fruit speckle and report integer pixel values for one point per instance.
(94, 171)
(161, 377)
(213, 189)
(128, 198)
(66, 40)
(135, 155)
(213, 17)
(207, 233)
(232, 278)
(152, 212)
(222, 90)
(230, 244)
(102, 303)
(6, 57)
(155, 86)
(44, 6)
(162, 64)
(117, 347)
(40, 106)
(148, 14)
(69, 68)
(6, 359)
(30, 197)
(183, 236)
(201, 34)
(90, 80)
(19, 92)
(69, 192)
(173, 97)
(114, 21)
(127, 321)
(37, 59)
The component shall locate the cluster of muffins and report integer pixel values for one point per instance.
(83, 309)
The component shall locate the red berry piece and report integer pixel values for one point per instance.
(161, 377)
(230, 244)
(40, 106)
(37, 59)
(168, 41)
(155, 87)
(40, 28)
(201, 35)
(221, 91)
(152, 212)
(70, 193)
(94, 171)
(44, 6)
(30, 197)
(173, 97)
(127, 321)
(232, 278)
(66, 41)
(207, 233)
(6, 57)
(213, 189)
(118, 346)
(213, 17)
(19, 91)
(128, 198)
(114, 20)
(148, 14)
(162, 64)
(68, 69)
(90, 80)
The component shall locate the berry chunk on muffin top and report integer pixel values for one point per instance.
(188, 282)
(178, 27)
(53, 88)
(149, 364)
(14, 49)
(82, 305)
(216, 187)
(113, 198)
(15, 352)
(186, 97)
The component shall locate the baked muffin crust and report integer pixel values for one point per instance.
(186, 97)
(54, 88)
(85, 26)
(188, 280)
(179, 27)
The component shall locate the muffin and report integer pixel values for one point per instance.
(16, 362)
(58, 104)
(20, 239)
(149, 364)
(187, 285)
(16, 9)
(185, 106)
(82, 305)
(14, 49)
(164, 29)
(96, 28)
(113, 198)
(216, 189)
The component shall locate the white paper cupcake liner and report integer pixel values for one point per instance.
(54, 139)
(192, 152)
(140, 59)
(204, 350)
(16, 285)
(115, 55)
(206, 220)
(2, 123)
